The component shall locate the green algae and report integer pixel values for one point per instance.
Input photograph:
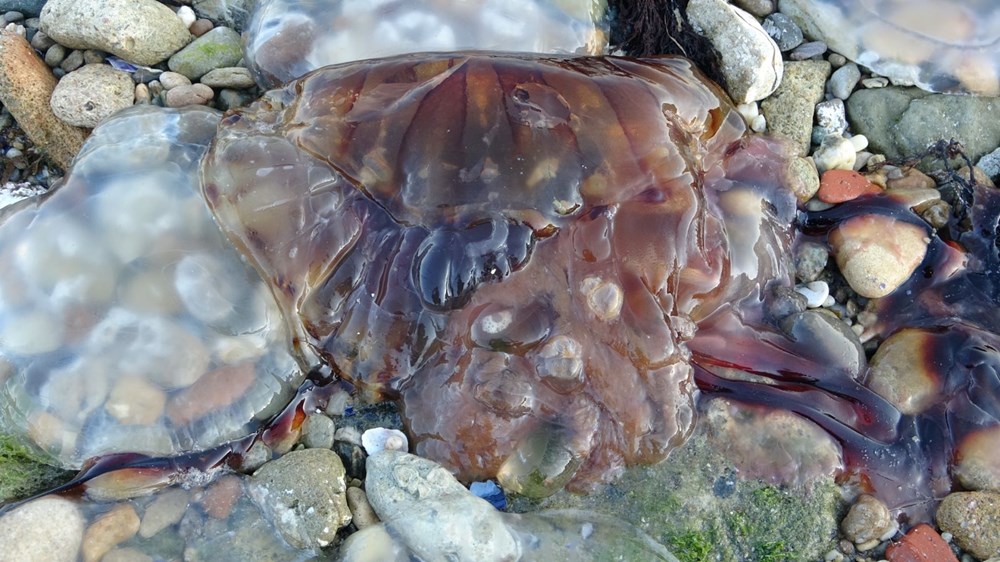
(23, 471)
(697, 505)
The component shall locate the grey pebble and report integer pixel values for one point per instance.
(13, 16)
(990, 164)
(783, 30)
(759, 8)
(836, 60)
(42, 41)
(808, 50)
(54, 55)
(875, 82)
(235, 77)
(844, 80)
(25, 7)
(73, 61)
(93, 56)
(810, 261)
(317, 432)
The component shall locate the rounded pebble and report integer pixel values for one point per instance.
(902, 372)
(49, 528)
(108, 531)
(808, 50)
(783, 30)
(876, 253)
(379, 439)
(171, 80)
(973, 519)
(977, 464)
(195, 94)
(868, 520)
(318, 431)
(815, 293)
(844, 80)
(187, 16)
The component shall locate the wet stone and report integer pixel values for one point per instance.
(790, 110)
(218, 48)
(317, 431)
(303, 494)
(49, 528)
(876, 253)
(107, 531)
(977, 464)
(783, 30)
(973, 519)
(902, 372)
(810, 261)
(868, 522)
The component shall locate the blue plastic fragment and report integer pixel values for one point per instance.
(490, 492)
(120, 64)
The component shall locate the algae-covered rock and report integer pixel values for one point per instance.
(697, 505)
(22, 473)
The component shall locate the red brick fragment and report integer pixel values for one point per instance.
(837, 186)
(921, 544)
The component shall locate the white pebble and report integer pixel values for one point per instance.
(835, 153)
(816, 293)
(759, 124)
(379, 439)
(860, 142)
(748, 110)
(187, 15)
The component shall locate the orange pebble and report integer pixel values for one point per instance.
(921, 544)
(837, 186)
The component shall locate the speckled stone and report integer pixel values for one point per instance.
(789, 111)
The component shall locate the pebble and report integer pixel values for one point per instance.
(868, 522)
(92, 56)
(379, 439)
(815, 293)
(318, 431)
(875, 82)
(783, 30)
(231, 99)
(304, 495)
(759, 124)
(235, 77)
(73, 61)
(834, 153)
(42, 41)
(831, 119)
(837, 60)
(901, 373)
(171, 80)
(759, 8)
(810, 260)
(836, 344)
(218, 48)
(195, 94)
(142, 95)
(876, 253)
(139, 31)
(166, 510)
(200, 27)
(973, 519)
(837, 186)
(49, 529)
(844, 80)
(26, 86)
(751, 61)
(55, 55)
(85, 97)
(808, 50)
(920, 544)
(13, 16)
(977, 460)
(362, 514)
(790, 110)
(187, 16)
(108, 531)
(219, 499)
